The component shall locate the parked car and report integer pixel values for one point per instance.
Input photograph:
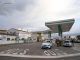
(67, 43)
(46, 44)
(76, 41)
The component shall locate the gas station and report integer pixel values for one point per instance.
(60, 26)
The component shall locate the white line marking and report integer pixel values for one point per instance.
(21, 53)
(76, 48)
(14, 53)
(59, 52)
(27, 49)
(65, 53)
(51, 52)
(46, 53)
(56, 49)
(24, 52)
(2, 52)
(62, 53)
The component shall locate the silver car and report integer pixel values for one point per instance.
(67, 43)
(46, 44)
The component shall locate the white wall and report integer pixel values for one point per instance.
(34, 37)
(24, 35)
(20, 33)
(45, 36)
(3, 39)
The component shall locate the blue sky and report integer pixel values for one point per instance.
(32, 14)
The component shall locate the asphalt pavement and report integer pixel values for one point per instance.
(34, 49)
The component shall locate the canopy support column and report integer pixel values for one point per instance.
(60, 31)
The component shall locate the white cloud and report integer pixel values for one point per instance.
(32, 14)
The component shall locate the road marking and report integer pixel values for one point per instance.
(8, 51)
(56, 49)
(59, 52)
(15, 51)
(27, 49)
(24, 52)
(52, 53)
(12, 51)
(2, 52)
(46, 53)
(62, 52)
(76, 48)
(32, 56)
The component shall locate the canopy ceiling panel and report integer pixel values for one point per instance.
(65, 25)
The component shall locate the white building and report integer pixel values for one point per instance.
(20, 34)
(6, 38)
(13, 36)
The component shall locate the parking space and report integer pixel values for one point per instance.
(28, 52)
(35, 49)
(76, 47)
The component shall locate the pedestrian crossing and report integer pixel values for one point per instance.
(54, 52)
(46, 53)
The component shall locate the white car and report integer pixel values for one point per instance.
(67, 43)
(46, 44)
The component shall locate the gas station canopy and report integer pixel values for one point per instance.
(64, 25)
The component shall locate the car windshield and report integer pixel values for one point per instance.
(66, 41)
(48, 41)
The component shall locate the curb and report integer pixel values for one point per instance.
(32, 56)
